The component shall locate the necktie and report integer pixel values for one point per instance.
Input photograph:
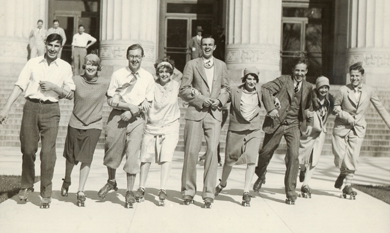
(130, 84)
(296, 89)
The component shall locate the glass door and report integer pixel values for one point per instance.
(306, 30)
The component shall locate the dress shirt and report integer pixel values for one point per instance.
(249, 104)
(37, 37)
(209, 68)
(143, 87)
(81, 40)
(59, 31)
(297, 83)
(37, 69)
(358, 91)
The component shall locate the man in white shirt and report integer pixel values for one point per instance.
(130, 93)
(81, 42)
(37, 40)
(57, 29)
(44, 79)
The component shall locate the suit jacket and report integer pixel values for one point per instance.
(237, 121)
(350, 110)
(194, 76)
(283, 89)
(195, 48)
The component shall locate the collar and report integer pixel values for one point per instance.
(131, 72)
(208, 63)
(43, 59)
(295, 82)
(358, 88)
(198, 37)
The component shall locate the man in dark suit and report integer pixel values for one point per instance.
(195, 45)
(294, 94)
(205, 87)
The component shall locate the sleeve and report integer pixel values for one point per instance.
(24, 76)
(113, 86)
(149, 94)
(380, 108)
(68, 78)
(91, 38)
(340, 113)
(225, 89)
(270, 89)
(186, 92)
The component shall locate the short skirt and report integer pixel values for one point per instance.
(80, 144)
(242, 147)
(160, 146)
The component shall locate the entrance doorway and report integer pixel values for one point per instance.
(180, 29)
(179, 23)
(70, 14)
(307, 29)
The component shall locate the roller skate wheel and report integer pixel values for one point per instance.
(300, 195)
(45, 206)
(161, 203)
(128, 205)
(245, 204)
(139, 200)
(207, 206)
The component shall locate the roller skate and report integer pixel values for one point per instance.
(246, 199)
(129, 199)
(81, 199)
(23, 194)
(290, 201)
(140, 195)
(110, 185)
(259, 182)
(339, 181)
(187, 200)
(219, 188)
(45, 202)
(305, 191)
(65, 188)
(207, 202)
(162, 195)
(348, 191)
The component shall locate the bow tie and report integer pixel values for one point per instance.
(357, 89)
(208, 64)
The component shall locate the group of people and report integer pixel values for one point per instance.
(144, 123)
(80, 43)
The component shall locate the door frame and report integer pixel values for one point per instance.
(189, 18)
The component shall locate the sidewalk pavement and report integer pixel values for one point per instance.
(324, 212)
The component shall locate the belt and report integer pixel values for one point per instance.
(40, 101)
(79, 47)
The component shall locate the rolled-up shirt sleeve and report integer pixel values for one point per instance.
(24, 76)
(68, 79)
(113, 86)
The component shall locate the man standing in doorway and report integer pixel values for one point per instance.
(294, 94)
(57, 29)
(131, 92)
(37, 40)
(44, 79)
(81, 42)
(205, 87)
(195, 43)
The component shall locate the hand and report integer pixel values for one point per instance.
(145, 105)
(308, 130)
(214, 104)
(3, 117)
(115, 100)
(126, 116)
(207, 103)
(274, 114)
(46, 85)
(277, 103)
(355, 123)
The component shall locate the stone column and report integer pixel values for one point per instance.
(17, 18)
(253, 37)
(126, 22)
(369, 39)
